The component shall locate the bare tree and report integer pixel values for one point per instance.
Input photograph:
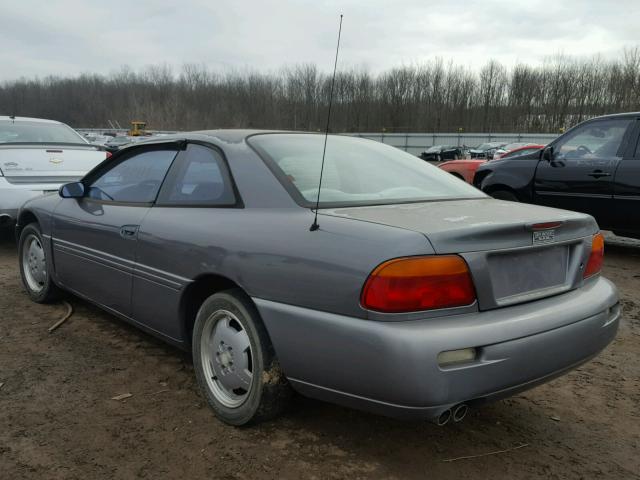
(433, 96)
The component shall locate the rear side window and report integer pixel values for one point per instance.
(199, 178)
(136, 179)
(356, 171)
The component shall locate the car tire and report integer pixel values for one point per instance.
(235, 364)
(505, 195)
(35, 266)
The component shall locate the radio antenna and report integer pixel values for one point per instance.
(314, 225)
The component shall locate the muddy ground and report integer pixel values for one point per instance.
(58, 419)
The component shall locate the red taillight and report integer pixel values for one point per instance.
(412, 284)
(108, 155)
(594, 265)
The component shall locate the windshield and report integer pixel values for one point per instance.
(356, 171)
(37, 132)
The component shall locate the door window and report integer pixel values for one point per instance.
(137, 179)
(593, 141)
(200, 179)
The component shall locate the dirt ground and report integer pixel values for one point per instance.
(58, 419)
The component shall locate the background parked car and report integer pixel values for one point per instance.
(486, 150)
(523, 150)
(116, 143)
(592, 168)
(36, 157)
(508, 148)
(96, 139)
(463, 169)
(466, 169)
(439, 153)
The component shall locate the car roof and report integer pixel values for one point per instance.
(223, 135)
(616, 115)
(236, 135)
(28, 119)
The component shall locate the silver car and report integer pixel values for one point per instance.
(36, 157)
(412, 294)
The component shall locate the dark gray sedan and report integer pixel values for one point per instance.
(416, 297)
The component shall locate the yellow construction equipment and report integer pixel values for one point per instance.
(138, 129)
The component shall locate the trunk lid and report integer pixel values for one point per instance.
(512, 259)
(458, 226)
(39, 163)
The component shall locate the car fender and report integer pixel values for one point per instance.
(40, 210)
(517, 176)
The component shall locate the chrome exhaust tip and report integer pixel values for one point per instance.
(443, 418)
(459, 412)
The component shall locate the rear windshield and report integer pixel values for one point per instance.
(37, 132)
(356, 171)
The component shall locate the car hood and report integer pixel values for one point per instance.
(458, 226)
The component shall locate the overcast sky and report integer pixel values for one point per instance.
(68, 37)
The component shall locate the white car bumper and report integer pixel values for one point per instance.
(14, 195)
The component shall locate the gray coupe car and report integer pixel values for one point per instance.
(417, 295)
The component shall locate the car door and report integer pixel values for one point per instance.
(182, 236)
(626, 190)
(94, 237)
(578, 173)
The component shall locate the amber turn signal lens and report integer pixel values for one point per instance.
(594, 265)
(412, 284)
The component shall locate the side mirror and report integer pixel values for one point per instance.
(72, 190)
(547, 154)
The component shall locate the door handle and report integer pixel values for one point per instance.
(129, 232)
(599, 174)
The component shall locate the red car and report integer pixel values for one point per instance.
(466, 169)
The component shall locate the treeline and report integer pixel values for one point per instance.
(432, 97)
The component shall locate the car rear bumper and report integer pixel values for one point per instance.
(391, 367)
(14, 195)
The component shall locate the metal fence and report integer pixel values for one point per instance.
(415, 143)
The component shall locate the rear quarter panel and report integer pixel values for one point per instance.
(270, 254)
